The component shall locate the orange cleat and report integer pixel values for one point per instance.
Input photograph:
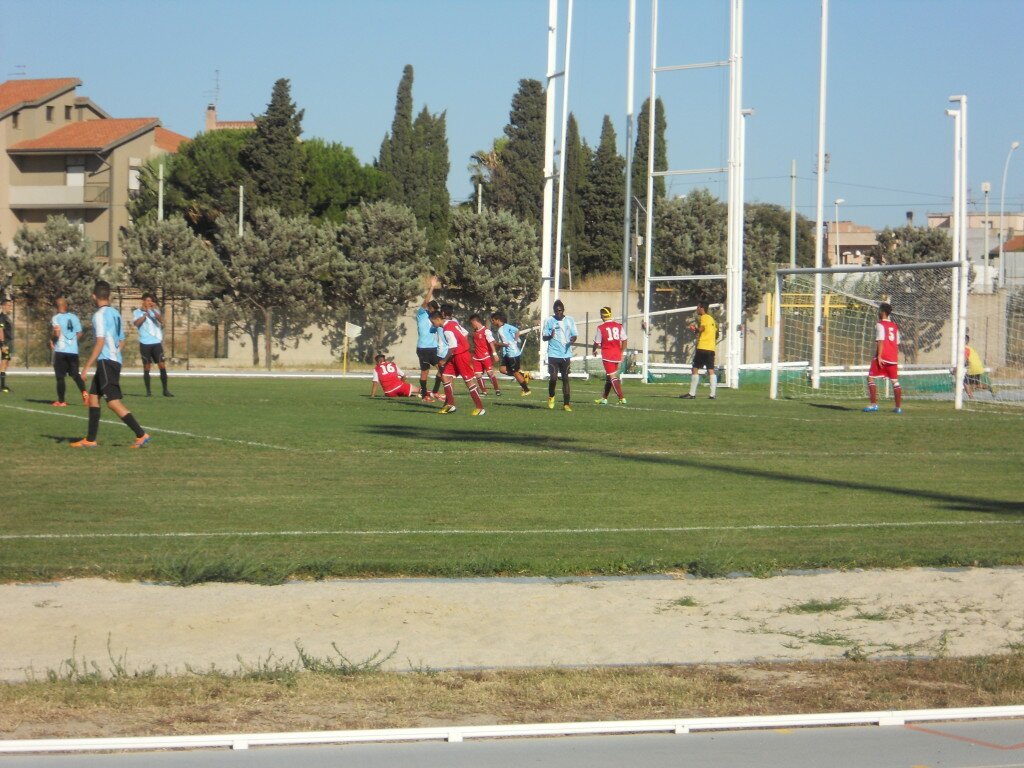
(84, 443)
(59, 404)
(141, 441)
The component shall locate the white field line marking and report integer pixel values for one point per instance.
(505, 532)
(158, 429)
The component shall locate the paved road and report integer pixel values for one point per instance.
(990, 744)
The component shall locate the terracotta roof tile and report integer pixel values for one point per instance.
(90, 135)
(1013, 245)
(14, 93)
(235, 124)
(169, 141)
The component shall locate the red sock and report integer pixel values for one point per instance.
(618, 388)
(476, 397)
(449, 394)
(897, 392)
(873, 391)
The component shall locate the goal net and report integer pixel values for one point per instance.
(921, 296)
(994, 355)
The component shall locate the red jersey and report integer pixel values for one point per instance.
(388, 375)
(457, 336)
(611, 336)
(887, 332)
(482, 341)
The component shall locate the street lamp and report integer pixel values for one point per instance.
(1002, 205)
(837, 203)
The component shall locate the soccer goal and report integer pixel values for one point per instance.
(994, 354)
(924, 307)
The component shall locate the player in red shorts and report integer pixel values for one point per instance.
(887, 347)
(611, 339)
(458, 360)
(483, 354)
(391, 380)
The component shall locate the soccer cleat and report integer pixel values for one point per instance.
(525, 393)
(527, 376)
(601, 401)
(5, 389)
(84, 443)
(168, 394)
(687, 396)
(478, 412)
(551, 403)
(149, 394)
(497, 393)
(871, 409)
(712, 397)
(623, 402)
(567, 407)
(897, 410)
(141, 441)
(428, 398)
(447, 409)
(59, 404)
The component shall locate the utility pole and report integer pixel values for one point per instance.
(792, 215)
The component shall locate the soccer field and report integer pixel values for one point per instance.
(269, 478)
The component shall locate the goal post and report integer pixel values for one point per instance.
(923, 305)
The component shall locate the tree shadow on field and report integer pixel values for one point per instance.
(947, 501)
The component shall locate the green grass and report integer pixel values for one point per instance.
(523, 490)
(820, 606)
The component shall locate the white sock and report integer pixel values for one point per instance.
(714, 384)
(694, 381)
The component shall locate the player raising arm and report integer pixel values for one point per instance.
(884, 363)
(150, 323)
(611, 340)
(426, 340)
(391, 379)
(511, 352)
(457, 360)
(106, 354)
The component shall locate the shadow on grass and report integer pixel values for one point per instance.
(946, 500)
(832, 407)
(61, 438)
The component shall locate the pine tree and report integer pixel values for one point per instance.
(577, 166)
(603, 203)
(519, 187)
(396, 151)
(273, 157)
(640, 151)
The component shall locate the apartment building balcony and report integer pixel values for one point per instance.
(60, 196)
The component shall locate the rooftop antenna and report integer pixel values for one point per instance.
(215, 93)
(20, 70)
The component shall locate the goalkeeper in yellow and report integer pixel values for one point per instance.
(974, 371)
(706, 330)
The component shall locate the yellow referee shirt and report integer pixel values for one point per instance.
(708, 333)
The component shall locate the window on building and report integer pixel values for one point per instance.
(49, 114)
(134, 183)
(14, 120)
(67, 113)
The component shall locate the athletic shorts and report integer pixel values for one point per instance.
(559, 365)
(460, 365)
(973, 379)
(611, 367)
(106, 382)
(151, 353)
(403, 390)
(6, 350)
(878, 368)
(511, 364)
(482, 366)
(704, 358)
(65, 364)
(428, 357)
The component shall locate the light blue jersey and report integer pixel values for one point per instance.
(106, 324)
(69, 326)
(560, 331)
(150, 331)
(442, 341)
(425, 336)
(507, 335)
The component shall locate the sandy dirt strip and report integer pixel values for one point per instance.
(516, 622)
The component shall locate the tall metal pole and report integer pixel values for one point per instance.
(954, 225)
(479, 198)
(792, 215)
(734, 257)
(626, 230)
(961, 278)
(549, 173)
(741, 187)
(1002, 205)
(559, 210)
(649, 213)
(839, 201)
(819, 208)
(160, 194)
(986, 188)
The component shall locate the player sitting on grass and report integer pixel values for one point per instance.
(457, 360)
(66, 331)
(887, 347)
(106, 354)
(391, 379)
(511, 352)
(484, 355)
(611, 339)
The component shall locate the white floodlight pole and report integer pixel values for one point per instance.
(561, 153)
(792, 215)
(160, 194)
(741, 186)
(627, 231)
(1002, 205)
(549, 175)
(816, 348)
(954, 225)
(986, 188)
(733, 289)
(839, 201)
(649, 223)
(961, 278)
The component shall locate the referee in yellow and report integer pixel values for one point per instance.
(704, 357)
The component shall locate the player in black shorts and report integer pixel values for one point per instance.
(6, 341)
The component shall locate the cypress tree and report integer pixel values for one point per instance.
(430, 201)
(640, 151)
(396, 151)
(273, 156)
(603, 203)
(519, 188)
(577, 164)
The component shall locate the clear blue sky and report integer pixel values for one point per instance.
(892, 65)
